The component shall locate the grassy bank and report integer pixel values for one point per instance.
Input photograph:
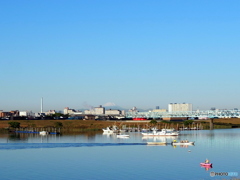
(67, 125)
(80, 125)
(224, 123)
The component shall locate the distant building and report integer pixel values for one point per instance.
(88, 112)
(159, 110)
(157, 107)
(23, 113)
(173, 107)
(112, 112)
(26, 113)
(4, 114)
(15, 113)
(99, 110)
(134, 109)
(68, 111)
(50, 112)
(8, 114)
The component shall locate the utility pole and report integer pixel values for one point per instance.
(41, 105)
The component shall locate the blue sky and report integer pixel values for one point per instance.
(131, 53)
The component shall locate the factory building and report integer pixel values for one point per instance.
(112, 112)
(68, 111)
(99, 110)
(159, 110)
(173, 107)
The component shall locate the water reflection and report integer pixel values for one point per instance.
(17, 137)
(64, 152)
(7, 146)
(159, 138)
(207, 168)
(183, 146)
(214, 138)
(106, 134)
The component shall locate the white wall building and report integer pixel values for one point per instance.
(26, 113)
(159, 110)
(23, 113)
(68, 111)
(173, 107)
(99, 110)
(50, 112)
(112, 112)
(88, 112)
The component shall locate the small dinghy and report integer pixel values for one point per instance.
(156, 143)
(206, 164)
(43, 132)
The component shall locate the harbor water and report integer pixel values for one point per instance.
(104, 156)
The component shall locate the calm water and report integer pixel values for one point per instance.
(98, 156)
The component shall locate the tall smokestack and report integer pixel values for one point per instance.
(41, 105)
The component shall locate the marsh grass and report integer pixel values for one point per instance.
(86, 126)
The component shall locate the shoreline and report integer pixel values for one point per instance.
(91, 125)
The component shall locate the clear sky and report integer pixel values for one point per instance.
(139, 53)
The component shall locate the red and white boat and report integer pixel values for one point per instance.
(206, 164)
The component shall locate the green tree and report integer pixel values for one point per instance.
(57, 115)
(14, 124)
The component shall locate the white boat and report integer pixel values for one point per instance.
(122, 136)
(182, 143)
(43, 132)
(163, 132)
(107, 130)
(145, 130)
(110, 130)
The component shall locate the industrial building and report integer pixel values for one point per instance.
(159, 110)
(68, 111)
(112, 112)
(99, 110)
(173, 107)
(9, 114)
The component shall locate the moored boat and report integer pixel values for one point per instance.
(183, 143)
(156, 143)
(43, 132)
(110, 130)
(107, 130)
(163, 132)
(145, 130)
